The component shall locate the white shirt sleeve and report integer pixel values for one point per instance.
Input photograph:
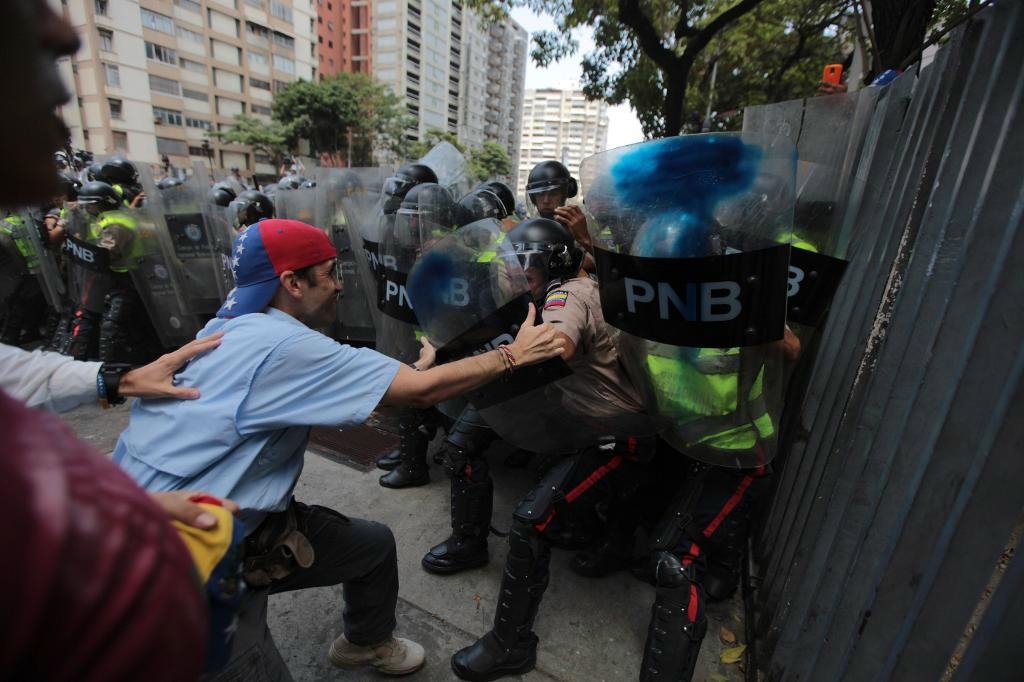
(50, 380)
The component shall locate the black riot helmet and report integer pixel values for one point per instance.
(479, 204)
(222, 194)
(118, 170)
(505, 193)
(426, 213)
(308, 184)
(250, 207)
(69, 186)
(170, 182)
(404, 179)
(290, 182)
(546, 245)
(91, 172)
(550, 175)
(100, 195)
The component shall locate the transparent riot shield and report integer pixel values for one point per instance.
(88, 273)
(450, 166)
(695, 281)
(337, 188)
(297, 204)
(471, 295)
(12, 267)
(47, 268)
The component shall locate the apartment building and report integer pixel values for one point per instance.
(343, 36)
(454, 72)
(560, 124)
(154, 76)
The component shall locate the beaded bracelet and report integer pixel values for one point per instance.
(507, 354)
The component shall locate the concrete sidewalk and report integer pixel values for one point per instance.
(590, 630)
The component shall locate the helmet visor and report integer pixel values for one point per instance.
(397, 186)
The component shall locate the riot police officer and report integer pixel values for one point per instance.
(123, 330)
(23, 301)
(121, 174)
(426, 214)
(399, 184)
(481, 203)
(548, 190)
(619, 437)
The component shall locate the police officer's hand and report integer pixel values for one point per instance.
(156, 380)
(428, 356)
(535, 342)
(179, 506)
(574, 220)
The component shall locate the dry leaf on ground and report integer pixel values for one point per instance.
(734, 654)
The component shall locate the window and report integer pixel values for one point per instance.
(164, 85)
(197, 151)
(195, 94)
(257, 83)
(284, 64)
(260, 109)
(165, 145)
(112, 75)
(160, 53)
(255, 3)
(190, 5)
(119, 140)
(280, 85)
(197, 123)
(101, 7)
(258, 59)
(171, 117)
(106, 39)
(157, 22)
(116, 108)
(190, 65)
(191, 36)
(284, 40)
(281, 11)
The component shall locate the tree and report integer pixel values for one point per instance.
(344, 118)
(645, 49)
(267, 138)
(490, 160)
(774, 53)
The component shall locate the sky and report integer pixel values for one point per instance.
(623, 126)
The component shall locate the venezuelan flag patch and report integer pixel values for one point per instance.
(556, 299)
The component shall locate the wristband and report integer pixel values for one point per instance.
(108, 380)
(413, 365)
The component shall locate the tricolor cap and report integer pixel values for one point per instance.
(262, 253)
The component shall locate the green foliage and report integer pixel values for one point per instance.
(343, 117)
(490, 160)
(773, 54)
(268, 138)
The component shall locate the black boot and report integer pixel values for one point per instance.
(677, 626)
(412, 470)
(466, 547)
(390, 460)
(511, 647)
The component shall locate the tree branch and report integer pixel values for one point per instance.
(704, 36)
(632, 16)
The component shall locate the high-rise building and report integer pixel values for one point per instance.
(154, 76)
(455, 73)
(560, 124)
(343, 36)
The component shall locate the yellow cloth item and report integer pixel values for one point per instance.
(207, 547)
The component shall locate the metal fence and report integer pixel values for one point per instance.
(903, 475)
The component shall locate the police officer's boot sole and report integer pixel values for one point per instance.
(404, 477)
(488, 659)
(454, 556)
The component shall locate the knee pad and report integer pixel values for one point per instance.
(550, 491)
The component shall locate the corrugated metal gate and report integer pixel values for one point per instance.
(903, 478)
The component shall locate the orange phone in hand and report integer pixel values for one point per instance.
(833, 74)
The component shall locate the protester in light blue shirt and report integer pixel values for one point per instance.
(270, 380)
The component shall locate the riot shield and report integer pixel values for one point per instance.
(12, 267)
(451, 168)
(696, 282)
(89, 277)
(471, 295)
(296, 204)
(179, 267)
(47, 269)
(336, 190)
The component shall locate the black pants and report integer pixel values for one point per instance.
(357, 553)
